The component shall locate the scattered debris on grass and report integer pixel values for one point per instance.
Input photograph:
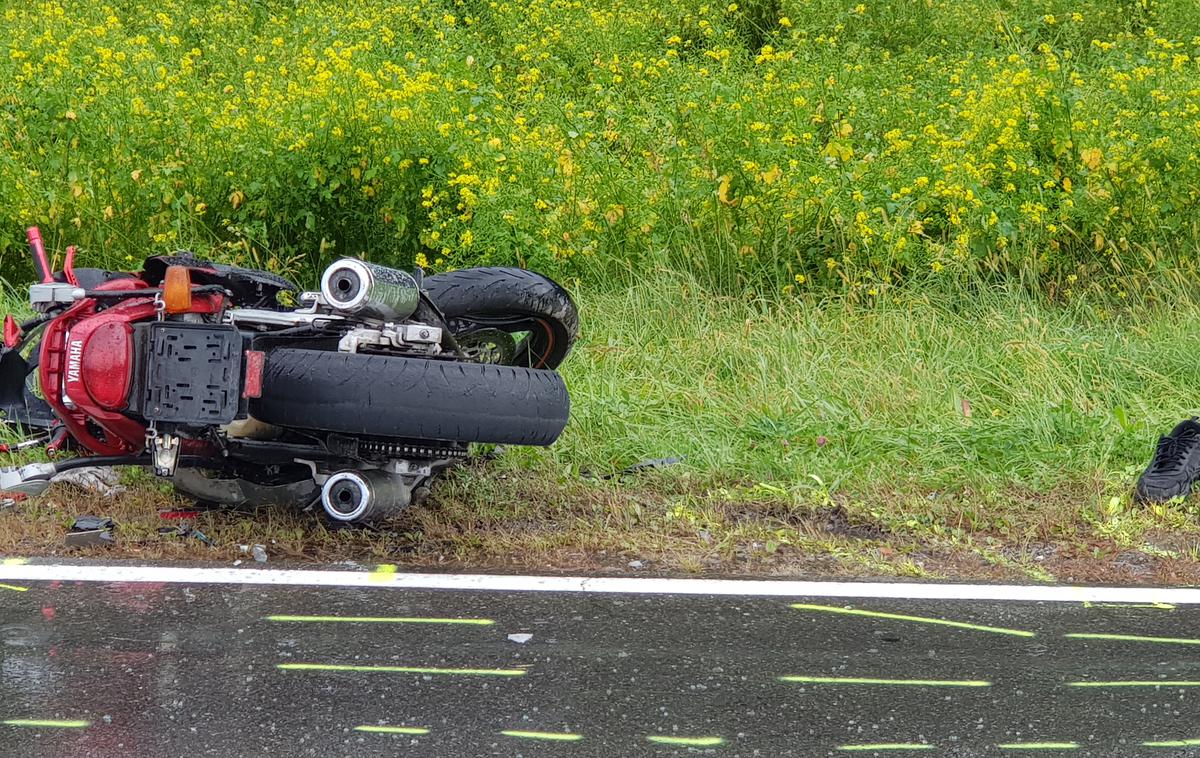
(90, 531)
(668, 523)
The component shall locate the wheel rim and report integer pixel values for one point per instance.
(532, 340)
(490, 345)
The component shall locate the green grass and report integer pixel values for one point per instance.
(909, 285)
(999, 389)
(820, 437)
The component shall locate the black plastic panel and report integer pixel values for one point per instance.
(193, 373)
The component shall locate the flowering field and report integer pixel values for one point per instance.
(800, 143)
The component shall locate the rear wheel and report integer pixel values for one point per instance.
(507, 316)
(411, 398)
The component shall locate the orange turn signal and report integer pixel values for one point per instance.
(177, 290)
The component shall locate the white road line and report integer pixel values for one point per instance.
(599, 585)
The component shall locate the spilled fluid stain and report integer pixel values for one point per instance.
(913, 619)
(661, 739)
(379, 620)
(1173, 743)
(383, 573)
(398, 669)
(48, 723)
(886, 682)
(549, 736)
(883, 746)
(392, 729)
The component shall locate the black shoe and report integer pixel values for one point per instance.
(1175, 466)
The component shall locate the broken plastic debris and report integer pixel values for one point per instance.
(106, 481)
(521, 638)
(91, 530)
(89, 523)
(90, 538)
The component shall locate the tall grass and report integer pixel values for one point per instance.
(800, 144)
(922, 391)
(811, 238)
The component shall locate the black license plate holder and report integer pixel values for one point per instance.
(193, 373)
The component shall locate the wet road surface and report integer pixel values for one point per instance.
(164, 669)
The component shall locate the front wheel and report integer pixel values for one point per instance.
(507, 316)
(411, 398)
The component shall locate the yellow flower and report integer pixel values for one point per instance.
(723, 191)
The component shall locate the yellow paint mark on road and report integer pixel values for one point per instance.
(392, 729)
(1039, 746)
(381, 620)
(662, 739)
(1173, 743)
(15, 561)
(914, 619)
(1135, 684)
(49, 723)
(886, 746)
(1133, 638)
(552, 736)
(13, 587)
(398, 669)
(903, 682)
(383, 572)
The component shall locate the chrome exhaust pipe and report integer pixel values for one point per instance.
(361, 496)
(370, 291)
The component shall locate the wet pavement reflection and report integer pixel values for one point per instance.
(89, 669)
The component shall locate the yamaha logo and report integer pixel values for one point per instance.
(74, 355)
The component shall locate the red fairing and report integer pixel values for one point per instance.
(87, 360)
(12, 332)
(102, 362)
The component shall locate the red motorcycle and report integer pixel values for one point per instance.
(244, 390)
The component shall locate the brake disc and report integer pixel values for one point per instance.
(489, 346)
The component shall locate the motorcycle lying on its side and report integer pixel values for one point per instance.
(358, 394)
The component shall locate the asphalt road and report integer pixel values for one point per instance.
(157, 669)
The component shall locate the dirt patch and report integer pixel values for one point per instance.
(482, 518)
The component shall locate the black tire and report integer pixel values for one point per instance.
(481, 296)
(411, 398)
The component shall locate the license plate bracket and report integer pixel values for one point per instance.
(193, 373)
